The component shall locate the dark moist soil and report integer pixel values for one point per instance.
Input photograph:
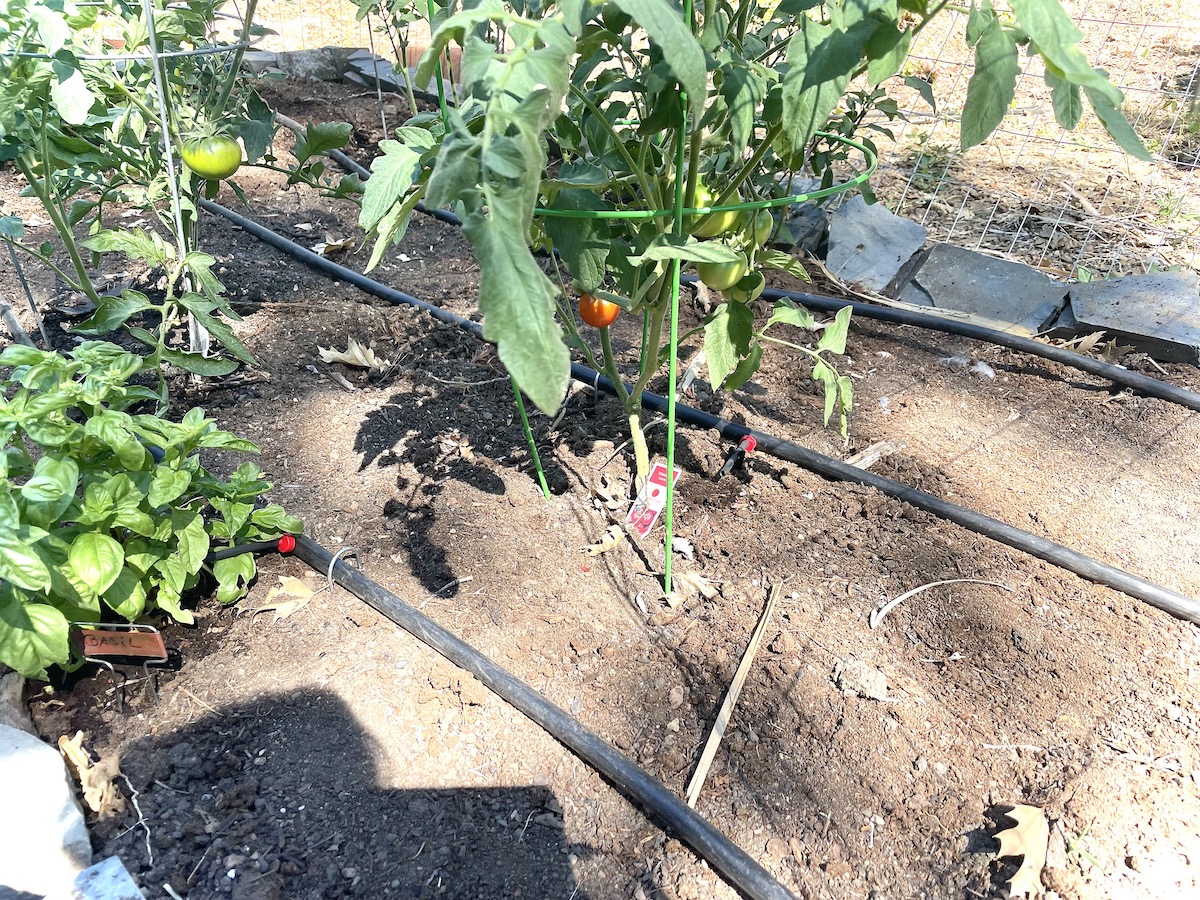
(326, 753)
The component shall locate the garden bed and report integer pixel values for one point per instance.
(327, 754)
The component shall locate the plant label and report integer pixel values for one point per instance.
(651, 499)
(96, 641)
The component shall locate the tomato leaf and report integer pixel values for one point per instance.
(727, 337)
(583, 243)
(112, 312)
(807, 105)
(833, 338)
(1068, 104)
(687, 248)
(70, 93)
(994, 82)
(517, 302)
(1116, 124)
(667, 29)
(319, 138)
(745, 369)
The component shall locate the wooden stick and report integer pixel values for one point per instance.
(731, 698)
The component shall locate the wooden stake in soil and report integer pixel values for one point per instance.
(731, 698)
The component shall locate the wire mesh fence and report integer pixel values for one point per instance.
(1070, 203)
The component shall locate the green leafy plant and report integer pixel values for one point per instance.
(647, 106)
(108, 511)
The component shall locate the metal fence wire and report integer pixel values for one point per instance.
(1070, 203)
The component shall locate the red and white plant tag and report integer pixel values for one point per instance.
(651, 499)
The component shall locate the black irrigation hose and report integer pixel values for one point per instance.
(676, 817)
(1071, 560)
(1151, 387)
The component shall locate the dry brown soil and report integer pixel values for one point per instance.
(328, 754)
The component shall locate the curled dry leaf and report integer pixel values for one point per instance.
(291, 594)
(96, 780)
(332, 245)
(355, 354)
(611, 538)
(451, 443)
(1029, 838)
(688, 584)
(606, 493)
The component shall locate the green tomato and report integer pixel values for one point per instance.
(214, 157)
(721, 276)
(764, 224)
(749, 287)
(717, 223)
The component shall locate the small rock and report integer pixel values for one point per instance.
(857, 677)
(675, 698)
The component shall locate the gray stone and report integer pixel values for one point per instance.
(321, 64)
(1158, 314)
(106, 880)
(43, 841)
(12, 710)
(259, 61)
(868, 244)
(1006, 293)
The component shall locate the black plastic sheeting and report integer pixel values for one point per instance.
(1177, 604)
(633, 782)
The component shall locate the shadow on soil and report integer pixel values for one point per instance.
(278, 796)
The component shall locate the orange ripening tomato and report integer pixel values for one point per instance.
(597, 312)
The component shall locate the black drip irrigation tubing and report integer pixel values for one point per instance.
(637, 785)
(1176, 604)
(1152, 387)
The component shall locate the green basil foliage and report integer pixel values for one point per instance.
(92, 523)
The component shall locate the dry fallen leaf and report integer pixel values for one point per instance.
(332, 245)
(355, 354)
(689, 583)
(96, 780)
(606, 493)
(1030, 838)
(291, 594)
(611, 538)
(452, 443)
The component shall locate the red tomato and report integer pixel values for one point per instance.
(597, 312)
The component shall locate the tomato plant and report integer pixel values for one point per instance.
(596, 311)
(81, 122)
(652, 105)
(213, 157)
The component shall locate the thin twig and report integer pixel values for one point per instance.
(465, 384)
(446, 587)
(878, 614)
(211, 709)
(735, 689)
